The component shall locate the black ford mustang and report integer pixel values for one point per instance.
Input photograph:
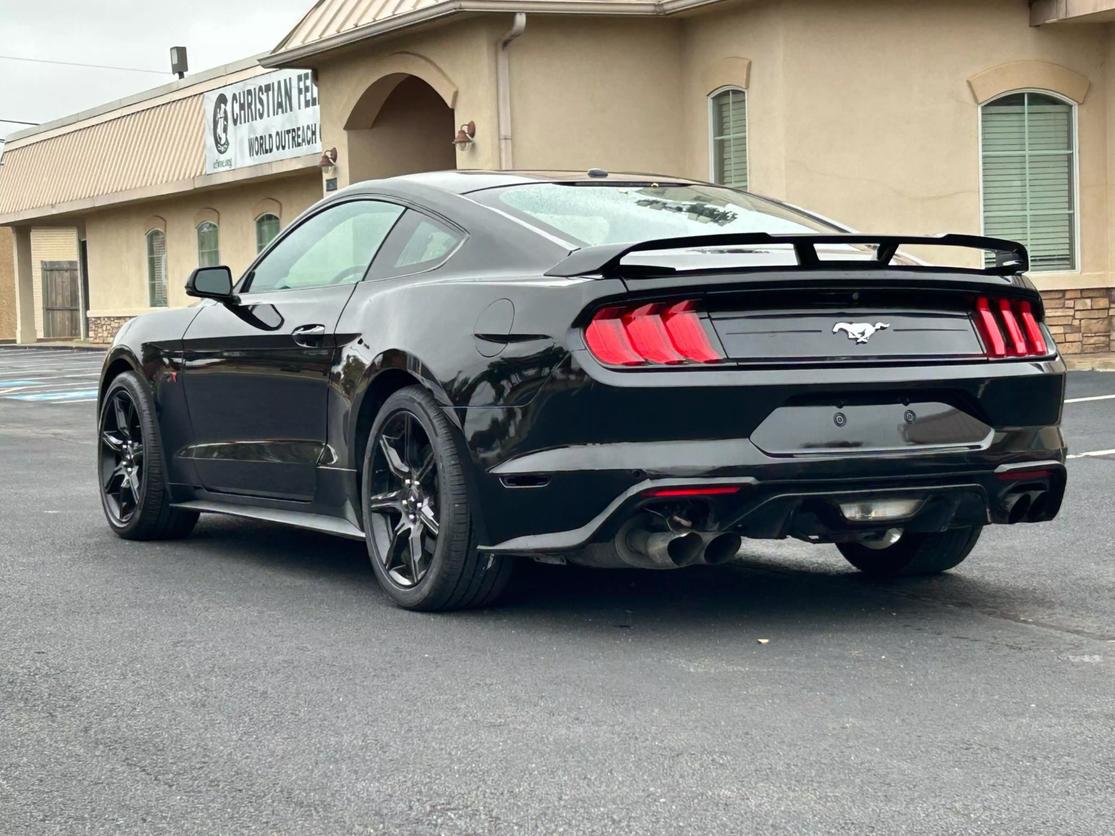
(466, 368)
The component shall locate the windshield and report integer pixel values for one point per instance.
(589, 215)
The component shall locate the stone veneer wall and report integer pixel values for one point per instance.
(1080, 320)
(103, 328)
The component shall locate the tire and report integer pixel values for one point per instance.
(130, 466)
(914, 554)
(437, 566)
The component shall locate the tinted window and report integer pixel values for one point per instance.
(334, 246)
(418, 243)
(616, 214)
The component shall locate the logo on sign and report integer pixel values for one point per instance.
(220, 124)
(861, 332)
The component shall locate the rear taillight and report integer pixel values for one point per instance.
(1009, 328)
(650, 334)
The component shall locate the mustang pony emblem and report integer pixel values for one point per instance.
(861, 332)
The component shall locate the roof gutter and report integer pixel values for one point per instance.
(503, 90)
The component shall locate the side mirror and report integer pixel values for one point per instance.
(211, 283)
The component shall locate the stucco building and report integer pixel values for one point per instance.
(7, 287)
(911, 116)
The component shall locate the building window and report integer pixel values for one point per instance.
(267, 227)
(208, 245)
(156, 268)
(1029, 176)
(728, 132)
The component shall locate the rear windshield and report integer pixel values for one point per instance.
(592, 214)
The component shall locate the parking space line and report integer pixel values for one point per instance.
(77, 396)
(1092, 454)
(49, 376)
(1091, 398)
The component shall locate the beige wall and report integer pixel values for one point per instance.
(411, 132)
(458, 61)
(49, 244)
(862, 110)
(7, 285)
(598, 92)
(117, 242)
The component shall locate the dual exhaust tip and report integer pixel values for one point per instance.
(648, 549)
(1027, 506)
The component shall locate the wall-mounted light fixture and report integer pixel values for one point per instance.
(328, 159)
(465, 135)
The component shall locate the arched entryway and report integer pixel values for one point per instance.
(400, 125)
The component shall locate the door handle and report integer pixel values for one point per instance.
(308, 336)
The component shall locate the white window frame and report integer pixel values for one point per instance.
(710, 107)
(1078, 254)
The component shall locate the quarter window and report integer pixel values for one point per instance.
(1029, 176)
(335, 246)
(728, 131)
(208, 245)
(417, 243)
(156, 268)
(267, 230)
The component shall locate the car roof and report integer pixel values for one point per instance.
(463, 182)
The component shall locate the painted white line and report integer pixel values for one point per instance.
(1092, 454)
(1093, 398)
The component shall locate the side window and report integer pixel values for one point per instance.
(728, 134)
(333, 247)
(156, 268)
(267, 230)
(418, 243)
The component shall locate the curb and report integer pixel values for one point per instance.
(1090, 362)
(13, 346)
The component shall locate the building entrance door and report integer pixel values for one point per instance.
(61, 300)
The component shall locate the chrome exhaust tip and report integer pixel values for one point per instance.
(661, 549)
(720, 548)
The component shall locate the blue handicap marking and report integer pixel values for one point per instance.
(75, 395)
(4, 384)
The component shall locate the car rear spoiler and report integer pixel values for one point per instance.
(1010, 257)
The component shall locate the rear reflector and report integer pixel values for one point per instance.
(650, 334)
(1023, 475)
(1009, 328)
(710, 490)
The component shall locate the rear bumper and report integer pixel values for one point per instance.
(571, 467)
(775, 501)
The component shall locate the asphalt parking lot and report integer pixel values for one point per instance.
(254, 679)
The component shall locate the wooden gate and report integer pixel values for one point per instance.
(61, 300)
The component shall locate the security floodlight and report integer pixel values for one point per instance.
(179, 62)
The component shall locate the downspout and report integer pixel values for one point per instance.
(503, 89)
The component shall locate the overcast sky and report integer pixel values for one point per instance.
(129, 33)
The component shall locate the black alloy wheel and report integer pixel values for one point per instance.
(404, 504)
(134, 491)
(121, 457)
(419, 513)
